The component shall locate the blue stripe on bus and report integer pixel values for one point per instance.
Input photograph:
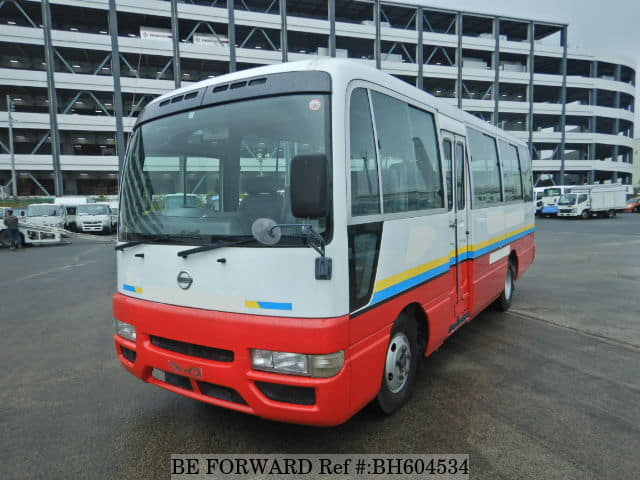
(434, 272)
(275, 305)
(409, 283)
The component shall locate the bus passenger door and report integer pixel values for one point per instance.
(454, 158)
(462, 228)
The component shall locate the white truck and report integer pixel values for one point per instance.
(70, 203)
(93, 217)
(589, 200)
(47, 215)
(548, 205)
(29, 235)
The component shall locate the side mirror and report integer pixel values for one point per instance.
(309, 192)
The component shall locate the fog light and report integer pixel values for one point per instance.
(126, 330)
(323, 365)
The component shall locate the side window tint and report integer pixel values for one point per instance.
(365, 198)
(460, 175)
(446, 145)
(364, 246)
(527, 180)
(487, 189)
(409, 156)
(510, 172)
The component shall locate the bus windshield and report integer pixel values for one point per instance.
(89, 209)
(43, 211)
(552, 192)
(568, 199)
(210, 173)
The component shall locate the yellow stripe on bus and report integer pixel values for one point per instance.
(415, 271)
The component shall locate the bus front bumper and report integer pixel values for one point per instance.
(172, 343)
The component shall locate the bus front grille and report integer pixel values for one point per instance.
(193, 350)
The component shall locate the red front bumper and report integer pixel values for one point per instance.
(238, 333)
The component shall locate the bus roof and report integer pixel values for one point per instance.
(345, 71)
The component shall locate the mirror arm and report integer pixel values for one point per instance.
(315, 241)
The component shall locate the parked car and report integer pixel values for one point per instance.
(633, 205)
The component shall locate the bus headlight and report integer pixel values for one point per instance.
(126, 330)
(573, 210)
(321, 366)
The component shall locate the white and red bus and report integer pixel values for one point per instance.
(336, 225)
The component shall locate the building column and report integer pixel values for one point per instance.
(420, 48)
(377, 49)
(284, 44)
(175, 36)
(530, 87)
(563, 100)
(117, 91)
(496, 67)
(49, 56)
(616, 121)
(459, 60)
(332, 28)
(231, 20)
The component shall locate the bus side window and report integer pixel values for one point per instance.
(409, 156)
(511, 172)
(446, 145)
(487, 181)
(527, 179)
(365, 197)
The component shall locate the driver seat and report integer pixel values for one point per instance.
(262, 201)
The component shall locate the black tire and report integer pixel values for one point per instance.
(503, 303)
(398, 381)
(585, 214)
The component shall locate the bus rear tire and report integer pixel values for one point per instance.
(400, 365)
(503, 303)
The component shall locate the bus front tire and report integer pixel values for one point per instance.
(400, 365)
(503, 303)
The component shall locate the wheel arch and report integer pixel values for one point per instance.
(513, 258)
(417, 313)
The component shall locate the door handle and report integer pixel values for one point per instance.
(452, 224)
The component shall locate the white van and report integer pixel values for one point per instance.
(93, 217)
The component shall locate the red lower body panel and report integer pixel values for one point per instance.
(237, 333)
(364, 337)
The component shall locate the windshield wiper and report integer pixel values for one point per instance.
(205, 248)
(156, 239)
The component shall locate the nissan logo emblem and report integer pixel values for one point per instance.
(184, 280)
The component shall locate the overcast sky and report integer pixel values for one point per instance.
(597, 25)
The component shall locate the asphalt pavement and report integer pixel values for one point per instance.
(549, 390)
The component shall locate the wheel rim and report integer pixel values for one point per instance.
(508, 284)
(398, 363)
